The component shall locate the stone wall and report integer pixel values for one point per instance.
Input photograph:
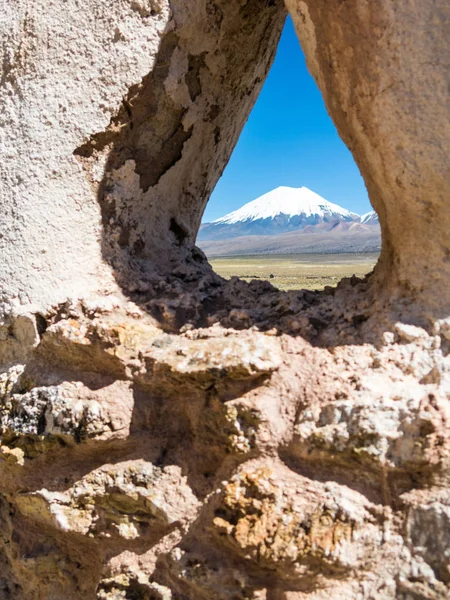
(119, 117)
(166, 434)
(383, 70)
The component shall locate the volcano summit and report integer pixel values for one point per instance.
(282, 210)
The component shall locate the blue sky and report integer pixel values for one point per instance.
(290, 140)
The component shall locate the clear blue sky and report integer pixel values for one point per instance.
(290, 140)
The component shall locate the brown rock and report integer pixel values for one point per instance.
(382, 71)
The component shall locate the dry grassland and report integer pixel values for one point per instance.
(299, 271)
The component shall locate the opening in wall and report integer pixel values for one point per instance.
(291, 205)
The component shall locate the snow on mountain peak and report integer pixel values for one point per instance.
(370, 218)
(287, 201)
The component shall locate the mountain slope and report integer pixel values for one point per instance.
(370, 218)
(279, 211)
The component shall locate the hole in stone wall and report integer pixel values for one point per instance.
(290, 158)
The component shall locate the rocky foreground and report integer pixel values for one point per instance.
(268, 445)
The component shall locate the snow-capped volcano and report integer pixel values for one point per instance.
(281, 210)
(287, 201)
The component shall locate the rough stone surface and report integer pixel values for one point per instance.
(287, 451)
(117, 120)
(383, 71)
(166, 434)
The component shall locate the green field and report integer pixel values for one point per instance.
(298, 271)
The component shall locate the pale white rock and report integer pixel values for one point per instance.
(410, 333)
(81, 198)
(66, 72)
(442, 327)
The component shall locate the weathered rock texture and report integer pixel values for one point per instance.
(383, 69)
(118, 118)
(166, 434)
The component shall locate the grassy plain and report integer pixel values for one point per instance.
(296, 271)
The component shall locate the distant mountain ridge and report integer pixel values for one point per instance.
(370, 218)
(335, 242)
(293, 220)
